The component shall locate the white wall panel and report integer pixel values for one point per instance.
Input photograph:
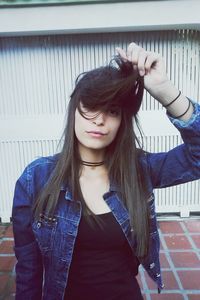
(37, 75)
(15, 155)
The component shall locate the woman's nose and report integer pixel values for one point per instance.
(100, 119)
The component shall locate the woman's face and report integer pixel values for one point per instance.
(99, 132)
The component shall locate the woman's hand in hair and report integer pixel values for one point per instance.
(148, 64)
(156, 82)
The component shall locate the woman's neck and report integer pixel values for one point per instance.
(93, 172)
(91, 155)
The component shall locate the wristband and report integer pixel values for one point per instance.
(173, 100)
(177, 117)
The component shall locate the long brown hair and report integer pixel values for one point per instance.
(114, 85)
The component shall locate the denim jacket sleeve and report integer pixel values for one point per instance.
(29, 267)
(181, 164)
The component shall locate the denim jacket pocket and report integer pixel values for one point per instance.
(44, 230)
(65, 235)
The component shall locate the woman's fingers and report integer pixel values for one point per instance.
(142, 60)
(148, 64)
(152, 58)
(132, 52)
(122, 53)
(138, 56)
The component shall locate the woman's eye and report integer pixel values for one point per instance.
(87, 111)
(114, 112)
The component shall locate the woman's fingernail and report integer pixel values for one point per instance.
(141, 72)
(135, 67)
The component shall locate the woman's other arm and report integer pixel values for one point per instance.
(29, 267)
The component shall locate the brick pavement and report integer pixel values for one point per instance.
(180, 262)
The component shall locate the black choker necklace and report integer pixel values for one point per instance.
(92, 164)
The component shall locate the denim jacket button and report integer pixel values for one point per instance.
(152, 265)
(38, 225)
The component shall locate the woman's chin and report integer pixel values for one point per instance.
(95, 146)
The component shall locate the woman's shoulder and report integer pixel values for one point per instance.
(142, 156)
(39, 169)
(43, 161)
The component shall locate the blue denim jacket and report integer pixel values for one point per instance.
(44, 248)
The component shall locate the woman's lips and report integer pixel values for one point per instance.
(96, 133)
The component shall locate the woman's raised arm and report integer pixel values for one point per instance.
(156, 82)
(181, 164)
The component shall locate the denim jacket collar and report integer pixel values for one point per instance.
(68, 195)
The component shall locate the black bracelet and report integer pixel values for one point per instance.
(177, 117)
(173, 100)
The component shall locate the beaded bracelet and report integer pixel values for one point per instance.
(177, 117)
(172, 100)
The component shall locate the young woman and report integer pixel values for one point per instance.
(84, 218)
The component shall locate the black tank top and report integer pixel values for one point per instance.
(103, 266)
